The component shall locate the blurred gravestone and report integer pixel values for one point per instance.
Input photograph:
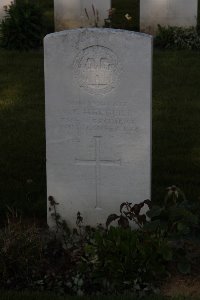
(80, 13)
(3, 4)
(182, 13)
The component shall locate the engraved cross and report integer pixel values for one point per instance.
(97, 162)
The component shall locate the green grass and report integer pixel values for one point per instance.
(176, 130)
(22, 142)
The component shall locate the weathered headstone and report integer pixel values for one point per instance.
(181, 13)
(98, 121)
(80, 13)
(4, 3)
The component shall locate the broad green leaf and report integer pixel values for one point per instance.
(154, 212)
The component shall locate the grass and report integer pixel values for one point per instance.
(176, 133)
(176, 130)
(22, 143)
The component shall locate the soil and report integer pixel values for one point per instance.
(188, 286)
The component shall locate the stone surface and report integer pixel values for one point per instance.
(181, 13)
(3, 3)
(98, 121)
(71, 13)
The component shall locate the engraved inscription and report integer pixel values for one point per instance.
(90, 119)
(96, 69)
(97, 162)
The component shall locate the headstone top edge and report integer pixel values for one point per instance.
(93, 30)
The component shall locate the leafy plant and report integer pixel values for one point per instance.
(175, 218)
(22, 28)
(174, 223)
(101, 260)
(113, 260)
(177, 222)
(60, 225)
(177, 38)
(172, 220)
(129, 212)
(120, 260)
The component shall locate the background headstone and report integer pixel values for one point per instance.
(4, 3)
(71, 13)
(98, 121)
(181, 13)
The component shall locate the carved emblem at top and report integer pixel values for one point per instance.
(96, 69)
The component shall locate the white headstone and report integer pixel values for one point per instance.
(4, 3)
(98, 121)
(181, 13)
(72, 13)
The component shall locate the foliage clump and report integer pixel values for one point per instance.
(23, 26)
(171, 37)
(136, 250)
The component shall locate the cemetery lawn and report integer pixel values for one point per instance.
(22, 143)
(176, 130)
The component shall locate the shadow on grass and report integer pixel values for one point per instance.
(22, 143)
(176, 133)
